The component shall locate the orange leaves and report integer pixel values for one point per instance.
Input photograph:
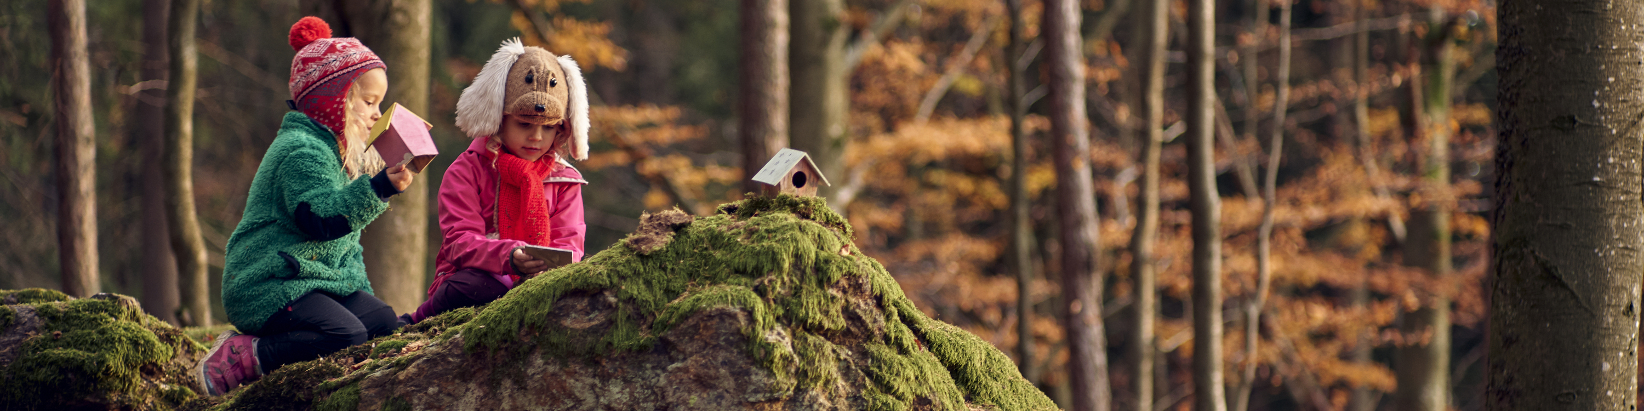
(588, 42)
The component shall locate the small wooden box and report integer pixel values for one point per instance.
(401, 135)
(792, 172)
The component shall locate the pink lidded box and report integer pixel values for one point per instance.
(400, 135)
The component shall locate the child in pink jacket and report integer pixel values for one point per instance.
(527, 110)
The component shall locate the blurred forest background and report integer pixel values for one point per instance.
(1361, 287)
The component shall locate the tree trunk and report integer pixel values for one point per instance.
(160, 297)
(816, 60)
(76, 148)
(1208, 386)
(1076, 206)
(396, 244)
(1142, 268)
(1363, 398)
(186, 243)
(1565, 273)
(1264, 233)
(763, 123)
(1021, 226)
(1424, 365)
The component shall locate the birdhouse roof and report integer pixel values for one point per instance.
(783, 161)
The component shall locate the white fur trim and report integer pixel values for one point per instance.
(577, 108)
(479, 110)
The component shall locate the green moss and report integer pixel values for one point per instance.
(388, 347)
(291, 387)
(7, 315)
(95, 349)
(396, 404)
(438, 324)
(345, 399)
(31, 296)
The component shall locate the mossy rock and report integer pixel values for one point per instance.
(101, 352)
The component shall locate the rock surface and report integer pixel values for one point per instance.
(101, 352)
(764, 306)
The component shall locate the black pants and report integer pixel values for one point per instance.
(321, 323)
(464, 288)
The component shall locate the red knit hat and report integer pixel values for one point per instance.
(323, 69)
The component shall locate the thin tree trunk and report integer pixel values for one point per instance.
(1142, 268)
(160, 297)
(1209, 389)
(1565, 269)
(396, 244)
(186, 243)
(76, 148)
(1424, 364)
(956, 66)
(763, 122)
(1249, 56)
(1021, 227)
(1264, 232)
(1363, 398)
(1076, 205)
(816, 60)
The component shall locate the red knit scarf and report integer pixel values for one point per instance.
(522, 206)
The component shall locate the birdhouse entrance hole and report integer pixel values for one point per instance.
(799, 179)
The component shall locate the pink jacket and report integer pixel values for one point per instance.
(468, 209)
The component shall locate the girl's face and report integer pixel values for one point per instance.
(368, 93)
(525, 140)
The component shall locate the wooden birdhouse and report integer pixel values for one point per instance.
(792, 172)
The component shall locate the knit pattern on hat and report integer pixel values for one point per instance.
(323, 70)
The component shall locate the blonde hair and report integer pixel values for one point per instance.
(358, 159)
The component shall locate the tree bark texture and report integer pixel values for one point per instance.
(1424, 365)
(1142, 268)
(186, 243)
(1021, 226)
(76, 148)
(396, 244)
(763, 118)
(1565, 269)
(816, 60)
(1208, 386)
(159, 268)
(1076, 206)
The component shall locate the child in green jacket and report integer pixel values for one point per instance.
(294, 278)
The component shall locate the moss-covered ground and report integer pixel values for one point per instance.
(100, 352)
(812, 299)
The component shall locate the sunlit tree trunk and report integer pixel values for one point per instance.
(76, 148)
(186, 243)
(1142, 269)
(1423, 365)
(1264, 232)
(816, 60)
(396, 244)
(763, 123)
(159, 266)
(1208, 386)
(1076, 206)
(1021, 227)
(1565, 269)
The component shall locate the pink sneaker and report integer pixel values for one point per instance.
(232, 362)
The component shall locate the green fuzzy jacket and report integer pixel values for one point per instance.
(302, 170)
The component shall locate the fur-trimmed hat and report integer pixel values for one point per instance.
(323, 69)
(529, 83)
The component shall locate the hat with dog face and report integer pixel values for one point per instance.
(532, 85)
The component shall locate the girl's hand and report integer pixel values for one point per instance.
(401, 177)
(525, 264)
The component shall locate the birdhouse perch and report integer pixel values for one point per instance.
(792, 172)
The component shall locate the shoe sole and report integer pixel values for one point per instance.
(200, 368)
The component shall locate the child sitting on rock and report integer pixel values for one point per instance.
(294, 278)
(527, 111)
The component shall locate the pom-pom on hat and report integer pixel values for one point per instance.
(323, 69)
(531, 84)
